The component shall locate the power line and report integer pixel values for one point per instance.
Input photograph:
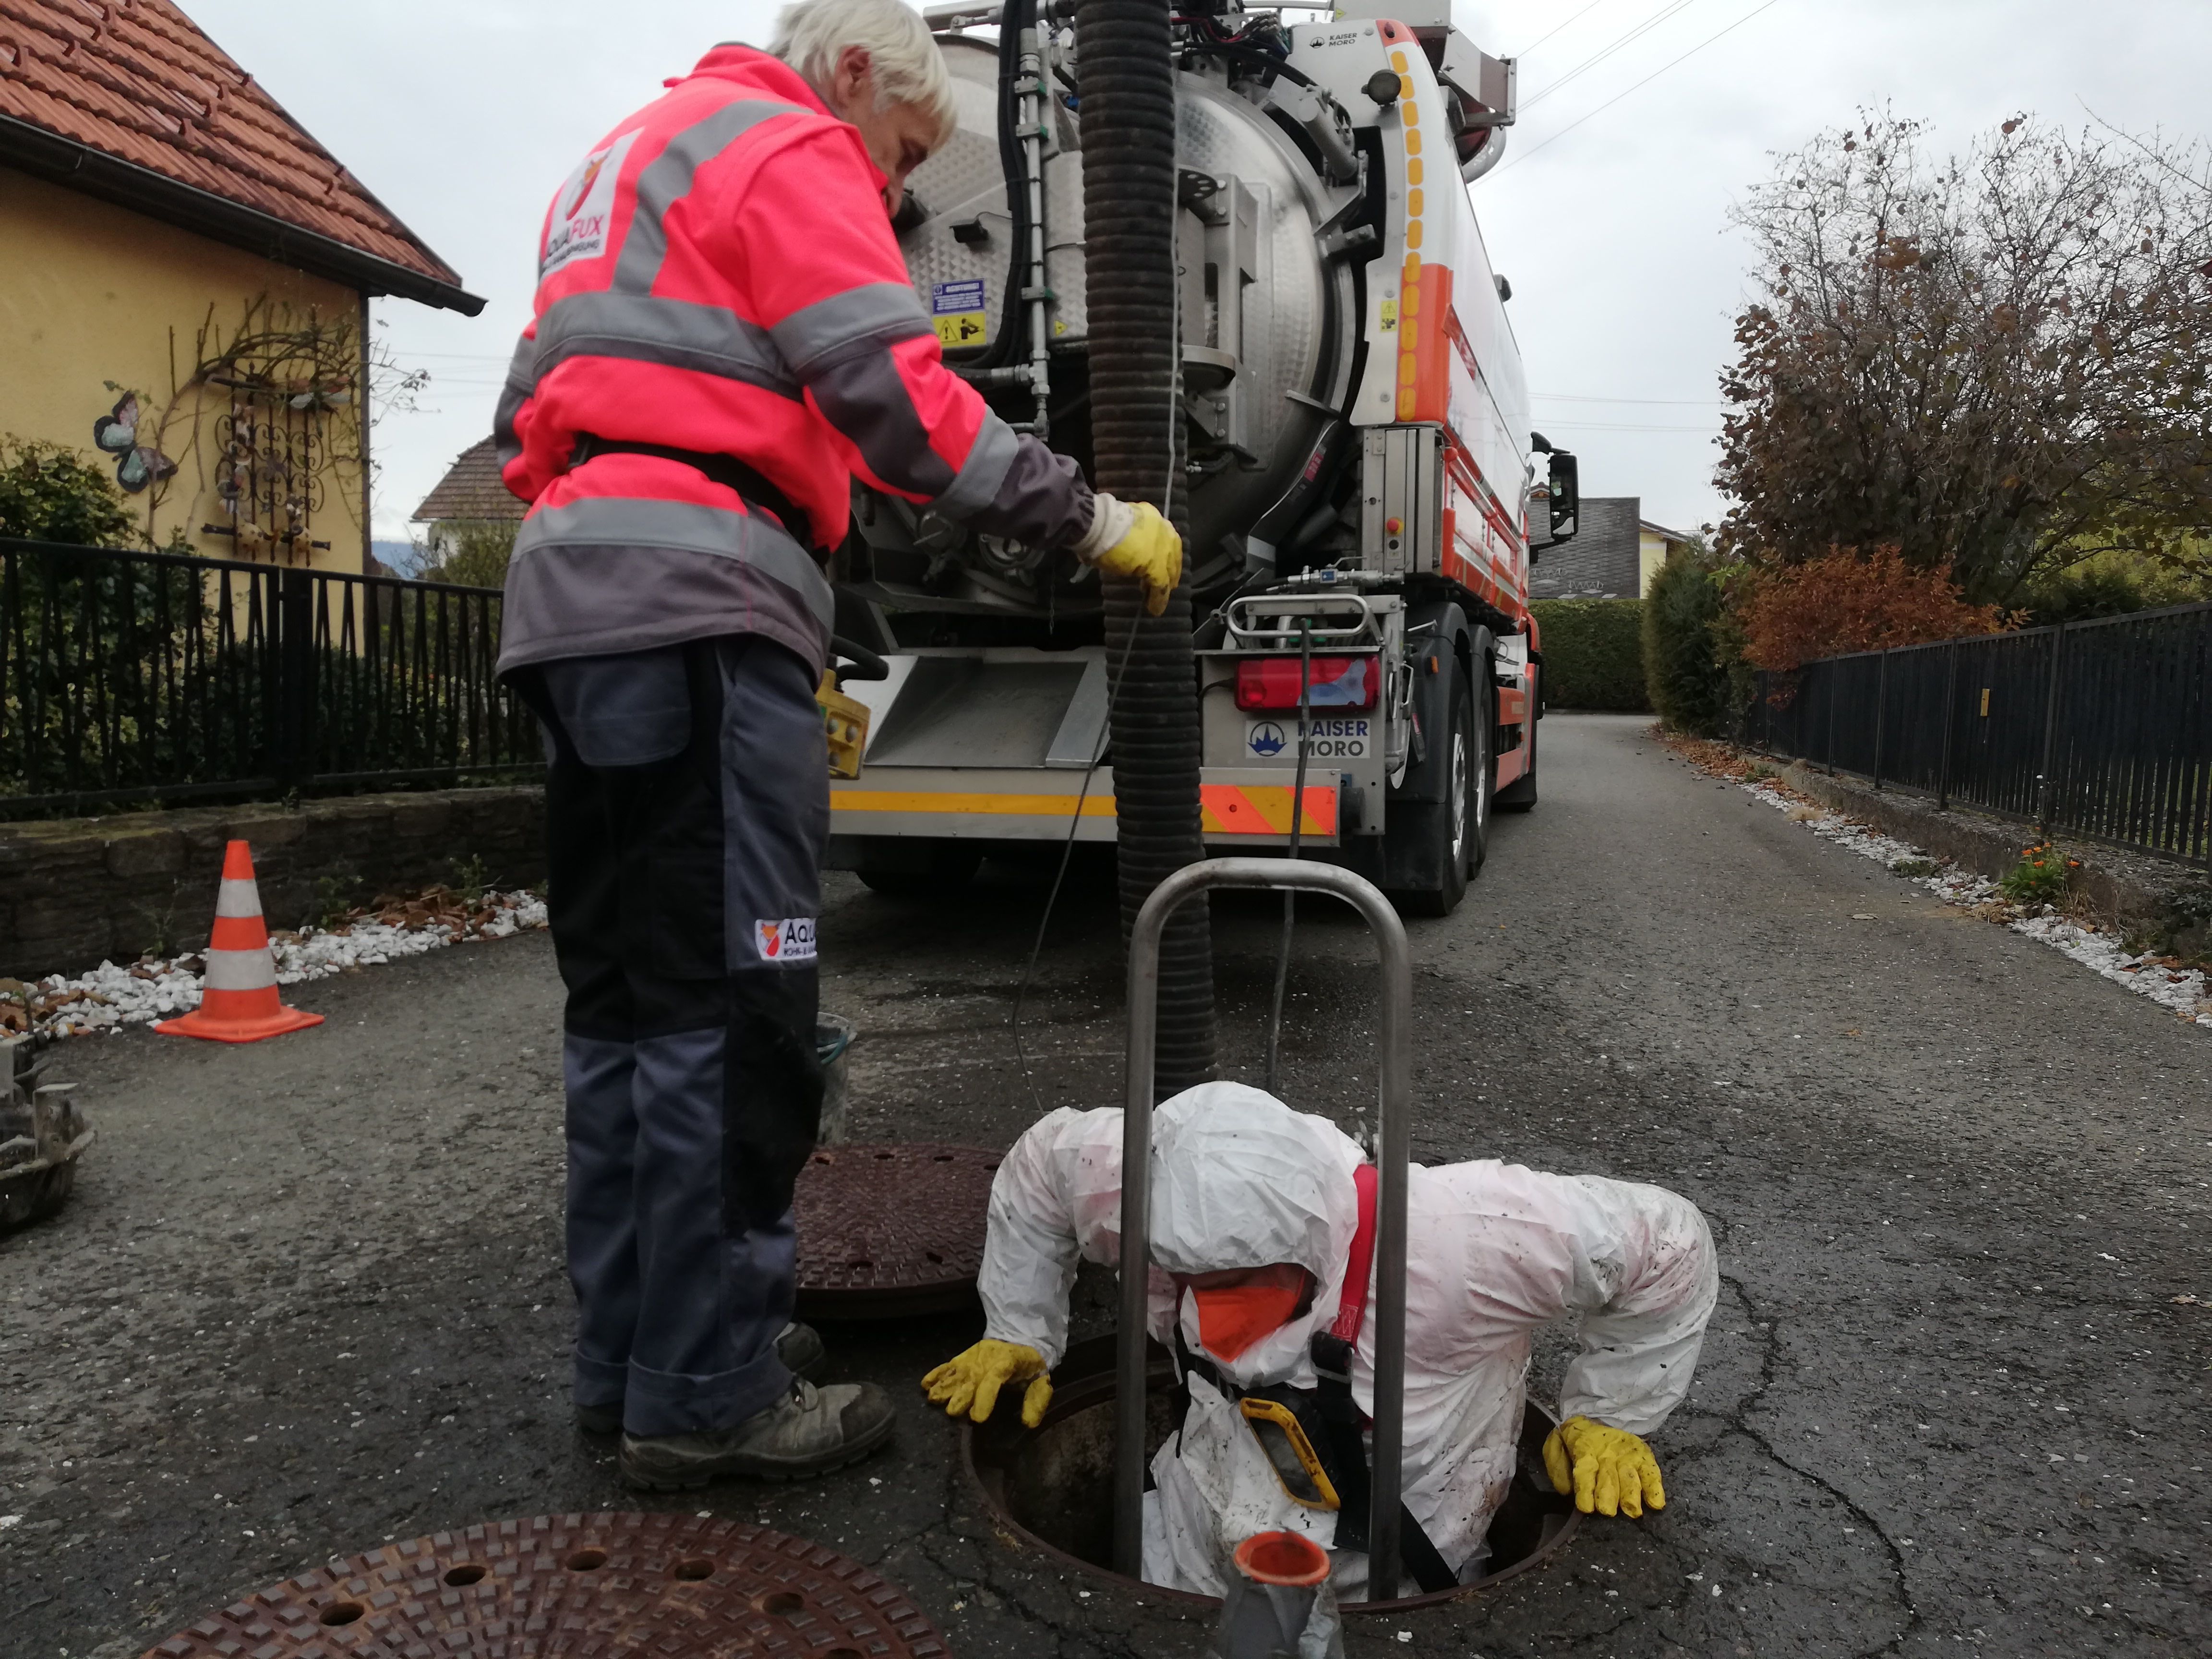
(1577, 18)
(1572, 398)
(1625, 426)
(1595, 58)
(1645, 81)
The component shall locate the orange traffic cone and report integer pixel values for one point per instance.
(238, 998)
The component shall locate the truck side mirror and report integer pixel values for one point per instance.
(1566, 495)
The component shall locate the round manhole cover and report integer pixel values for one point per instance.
(577, 1584)
(891, 1229)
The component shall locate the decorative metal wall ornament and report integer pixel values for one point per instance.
(290, 382)
(116, 433)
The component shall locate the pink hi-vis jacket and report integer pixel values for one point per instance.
(720, 275)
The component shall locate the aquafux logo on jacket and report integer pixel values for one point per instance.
(791, 940)
(584, 211)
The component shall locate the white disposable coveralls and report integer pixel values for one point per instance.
(1495, 1251)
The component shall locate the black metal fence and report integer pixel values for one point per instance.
(2099, 729)
(147, 677)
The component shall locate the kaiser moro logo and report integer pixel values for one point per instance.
(1267, 740)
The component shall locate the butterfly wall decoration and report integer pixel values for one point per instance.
(137, 465)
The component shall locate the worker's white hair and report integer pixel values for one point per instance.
(908, 68)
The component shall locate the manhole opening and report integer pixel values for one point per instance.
(694, 1570)
(586, 1561)
(468, 1572)
(779, 1603)
(1055, 1482)
(341, 1612)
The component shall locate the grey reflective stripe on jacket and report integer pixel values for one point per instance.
(521, 381)
(674, 333)
(612, 574)
(667, 179)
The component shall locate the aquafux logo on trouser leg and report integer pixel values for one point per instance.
(791, 940)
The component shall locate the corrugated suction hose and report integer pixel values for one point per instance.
(1127, 117)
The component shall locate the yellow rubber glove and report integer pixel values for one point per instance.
(1608, 1469)
(970, 1382)
(1132, 539)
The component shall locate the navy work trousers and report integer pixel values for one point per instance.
(688, 806)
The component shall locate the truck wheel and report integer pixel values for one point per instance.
(949, 869)
(1460, 826)
(1519, 795)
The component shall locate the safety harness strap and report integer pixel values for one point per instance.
(1346, 1448)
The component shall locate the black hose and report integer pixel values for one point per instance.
(1012, 343)
(1298, 822)
(1252, 57)
(1128, 115)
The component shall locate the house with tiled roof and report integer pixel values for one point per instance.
(471, 492)
(1614, 555)
(187, 284)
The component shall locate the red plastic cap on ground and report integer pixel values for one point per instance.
(1282, 1558)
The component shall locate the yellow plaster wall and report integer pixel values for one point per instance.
(1651, 553)
(91, 292)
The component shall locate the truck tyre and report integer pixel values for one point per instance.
(949, 870)
(1519, 795)
(1457, 828)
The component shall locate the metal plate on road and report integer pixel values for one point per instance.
(891, 1229)
(561, 1584)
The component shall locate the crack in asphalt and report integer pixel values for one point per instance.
(1769, 1338)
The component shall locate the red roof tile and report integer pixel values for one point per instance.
(138, 81)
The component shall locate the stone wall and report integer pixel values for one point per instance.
(76, 891)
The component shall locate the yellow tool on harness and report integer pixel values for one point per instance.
(1281, 1435)
(845, 723)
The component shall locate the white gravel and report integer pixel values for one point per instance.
(111, 997)
(2188, 993)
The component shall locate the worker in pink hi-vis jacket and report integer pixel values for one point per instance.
(725, 337)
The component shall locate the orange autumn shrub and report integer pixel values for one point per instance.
(1844, 601)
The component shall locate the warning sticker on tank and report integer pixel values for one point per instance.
(957, 310)
(1330, 738)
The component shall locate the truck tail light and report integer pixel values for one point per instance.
(1337, 682)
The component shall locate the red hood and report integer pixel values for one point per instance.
(774, 78)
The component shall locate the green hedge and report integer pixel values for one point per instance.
(1683, 662)
(1593, 653)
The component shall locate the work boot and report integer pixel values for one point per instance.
(800, 1346)
(809, 1431)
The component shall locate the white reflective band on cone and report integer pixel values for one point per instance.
(240, 970)
(238, 898)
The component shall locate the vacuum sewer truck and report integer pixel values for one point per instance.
(1355, 477)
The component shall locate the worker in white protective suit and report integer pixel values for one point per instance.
(1256, 1212)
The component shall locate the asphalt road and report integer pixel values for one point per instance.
(309, 1296)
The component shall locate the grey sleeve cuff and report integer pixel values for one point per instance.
(1041, 501)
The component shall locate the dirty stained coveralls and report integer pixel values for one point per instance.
(718, 278)
(1495, 1252)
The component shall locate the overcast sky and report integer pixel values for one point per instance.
(463, 116)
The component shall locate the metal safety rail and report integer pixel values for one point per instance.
(1393, 1138)
(2099, 729)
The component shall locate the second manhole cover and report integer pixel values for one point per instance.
(891, 1229)
(577, 1584)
